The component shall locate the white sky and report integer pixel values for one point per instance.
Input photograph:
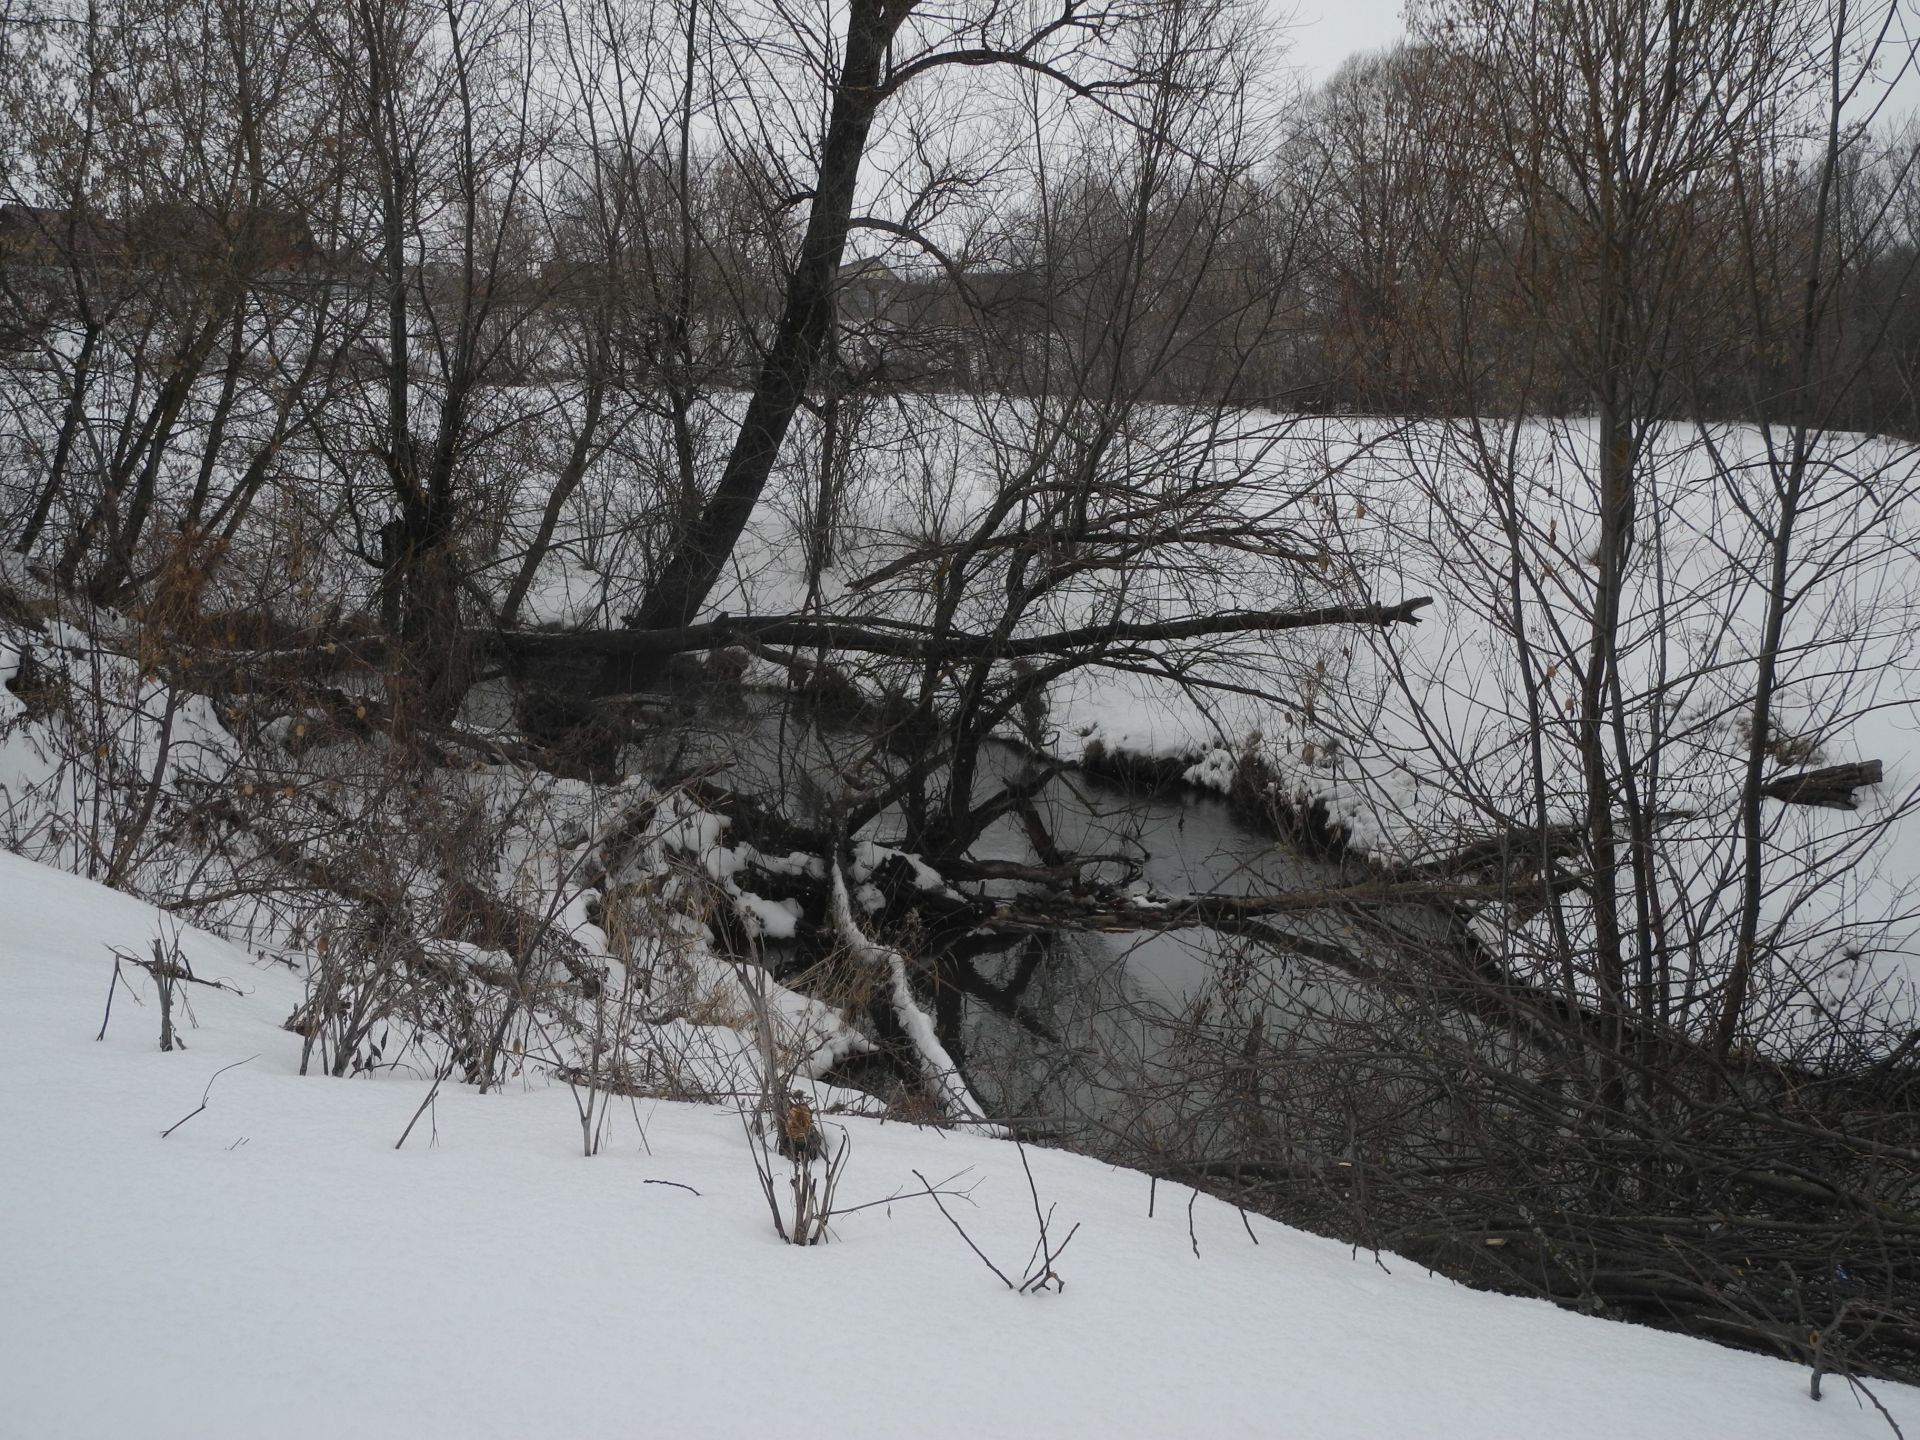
(1322, 33)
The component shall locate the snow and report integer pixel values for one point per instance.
(869, 856)
(1417, 739)
(943, 1077)
(276, 1267)
(1414, 710)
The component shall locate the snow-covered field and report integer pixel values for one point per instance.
(276, 1267)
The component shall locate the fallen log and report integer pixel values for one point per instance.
(876, 635)
(1830, 788)
(942, 1077)
(1123, 914)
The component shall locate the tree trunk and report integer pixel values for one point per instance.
(683, 584)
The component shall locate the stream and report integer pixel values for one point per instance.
(1075, 1033)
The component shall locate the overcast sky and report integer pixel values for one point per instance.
(1324, 32)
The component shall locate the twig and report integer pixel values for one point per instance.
(1032, 1188)
(898, 1195)
(1892, 1424)
(1191, 1237)
(112, 985)
(757, 1147)
(675, 1183)
(1040, 1269)
(205, 1095)
(1038, 1281)
(432, 1094)
(934, 1194)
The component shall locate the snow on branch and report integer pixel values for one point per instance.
(942, 1075)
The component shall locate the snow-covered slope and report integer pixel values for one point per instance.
(276, 1268)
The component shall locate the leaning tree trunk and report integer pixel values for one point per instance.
(690, 573)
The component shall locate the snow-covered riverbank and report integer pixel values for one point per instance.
(276, 1267)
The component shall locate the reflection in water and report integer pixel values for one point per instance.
(1080, 1035)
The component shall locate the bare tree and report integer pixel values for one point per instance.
(887, 46)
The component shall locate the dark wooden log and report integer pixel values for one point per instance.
(1831, 788)
(873, 635)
